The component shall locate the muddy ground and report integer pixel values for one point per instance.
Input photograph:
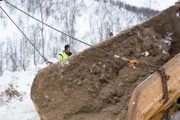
(93, 86)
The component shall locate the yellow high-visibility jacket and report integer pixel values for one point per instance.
(64, 55)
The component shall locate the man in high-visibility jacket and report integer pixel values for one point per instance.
(65, 53)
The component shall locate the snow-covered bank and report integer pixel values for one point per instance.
(13, 106)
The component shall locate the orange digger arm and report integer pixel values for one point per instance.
(133, 63)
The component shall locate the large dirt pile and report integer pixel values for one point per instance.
(92, 86)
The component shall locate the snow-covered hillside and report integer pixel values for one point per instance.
(89, 20)
(15, 102)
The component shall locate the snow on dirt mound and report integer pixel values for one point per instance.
(93, 86)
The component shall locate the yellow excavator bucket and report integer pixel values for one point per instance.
(146, 101)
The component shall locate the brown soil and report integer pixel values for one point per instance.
(93, 86)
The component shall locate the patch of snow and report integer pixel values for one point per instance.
(117, 56)
(168, 38)
(64, 63)
(18, 107)
(167, 42)
(164, 52)
(154, 37)
(145, 54)
(160, 46)
(177, 14)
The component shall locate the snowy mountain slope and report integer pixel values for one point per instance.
(92, 23)
(11, 30)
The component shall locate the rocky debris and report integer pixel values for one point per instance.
(10, 93)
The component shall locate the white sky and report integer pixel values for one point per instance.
(157, 4)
